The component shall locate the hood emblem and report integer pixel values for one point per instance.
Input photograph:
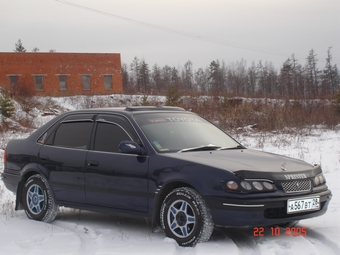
(283, 166)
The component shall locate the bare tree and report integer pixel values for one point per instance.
(135, 68)
(313, 73)
(252, 79)
(126, 79)
(330, 76)
(187, 76)
(156, 76)
(166, 77)
(175, 79)
(202, 80)
(144, 77)
(216, 77)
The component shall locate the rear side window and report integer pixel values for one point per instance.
(73, 135)
(108, 137)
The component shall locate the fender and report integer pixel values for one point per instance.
(160, 194)
(29, 170)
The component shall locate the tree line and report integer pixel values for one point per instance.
(292, 80)
(19, 47)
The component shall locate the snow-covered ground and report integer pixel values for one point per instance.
(83, 232)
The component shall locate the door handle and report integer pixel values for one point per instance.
(93, 163)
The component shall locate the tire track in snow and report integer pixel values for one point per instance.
(107, 234)
(323, 244)
(248, 244)
(88, 244)
(218, 244)
(244, 239)
(314, 243)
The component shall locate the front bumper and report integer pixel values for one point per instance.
(261, 212)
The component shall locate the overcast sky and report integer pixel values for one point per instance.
(171, 32)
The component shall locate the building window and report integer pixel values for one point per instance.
(13, 82)
(39, 82)
(108, 81)
(85, 80)
(62, 81)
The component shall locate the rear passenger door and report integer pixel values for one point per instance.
(114, 179)
(63, 155)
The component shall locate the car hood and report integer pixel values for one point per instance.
(245, 160)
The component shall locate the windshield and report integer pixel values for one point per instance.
(180, 132)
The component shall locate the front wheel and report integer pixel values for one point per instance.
(38, 200)
(185, 217)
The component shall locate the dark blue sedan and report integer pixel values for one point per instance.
(162, 163)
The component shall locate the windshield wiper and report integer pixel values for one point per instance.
(233, 148)
(208, 147)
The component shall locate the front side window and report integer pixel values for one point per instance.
(109, 136)
(73, 135)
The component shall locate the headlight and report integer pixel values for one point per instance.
(248, 186)
(319, 179)
(232, 185)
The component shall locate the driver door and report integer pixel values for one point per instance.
(114, 179)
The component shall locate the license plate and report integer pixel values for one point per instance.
(303, 204)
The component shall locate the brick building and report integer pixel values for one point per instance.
(61, 74)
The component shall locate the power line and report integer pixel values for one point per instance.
(224, 42)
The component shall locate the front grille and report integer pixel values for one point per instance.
(296, 186)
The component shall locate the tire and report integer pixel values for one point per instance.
(185, 217)
(38, 200)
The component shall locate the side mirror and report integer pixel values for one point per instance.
(130, 147)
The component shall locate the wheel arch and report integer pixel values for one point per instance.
(163, 192)
(25, 176)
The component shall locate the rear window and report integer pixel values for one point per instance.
(73, 135)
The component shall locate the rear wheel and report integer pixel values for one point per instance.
(38, 200)
(185, 217)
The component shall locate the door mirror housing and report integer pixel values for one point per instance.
(130, 147)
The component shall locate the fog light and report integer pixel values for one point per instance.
(319, 179)
(268, 185)
(322, 179)
(246, 185)
(232, 185)
(258, 185)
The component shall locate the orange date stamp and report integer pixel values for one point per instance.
(277, 231)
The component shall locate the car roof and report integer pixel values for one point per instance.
(129, 110)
